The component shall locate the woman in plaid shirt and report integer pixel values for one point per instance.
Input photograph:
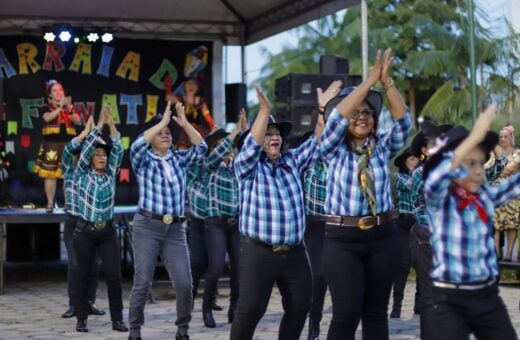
(359, 253)
(95, 175)
(221, 224)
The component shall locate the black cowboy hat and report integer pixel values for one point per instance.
(101, 143)
(174, 128)
(421, 139)
(454, 137)
(214, 137)
(283, 127)
(400, 161)
(373, 98)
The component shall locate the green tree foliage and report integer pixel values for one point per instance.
(430, 43)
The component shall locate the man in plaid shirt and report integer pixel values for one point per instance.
(272, 223)
(158, 228)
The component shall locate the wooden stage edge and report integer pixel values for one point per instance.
(40, 216)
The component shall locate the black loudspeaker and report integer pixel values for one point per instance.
(333, 65)
(236, 99)
(303, 117)
(302, 87)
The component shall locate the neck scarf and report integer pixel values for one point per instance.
(467, 198)
(364, 171)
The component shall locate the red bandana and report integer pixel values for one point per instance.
(467, 198)
(100, 172)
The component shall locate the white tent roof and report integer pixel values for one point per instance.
(231, 21)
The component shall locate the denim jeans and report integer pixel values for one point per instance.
(151, 238)
(359, 267)
(106, 244)
(314, 243)
(72, 265)
(221, 237)
(260, 269)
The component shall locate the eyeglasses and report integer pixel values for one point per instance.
(366, 112)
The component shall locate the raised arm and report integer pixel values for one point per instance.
(262, 118)
(116, 154)
(182, 121)
(323, 98)
(477, 135)
(154, 130)
(395, 99)
(74, 145)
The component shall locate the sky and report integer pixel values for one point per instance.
(496, 9)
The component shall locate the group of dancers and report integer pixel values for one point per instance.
(318, 215)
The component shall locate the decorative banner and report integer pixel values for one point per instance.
(9, 146)
(128, 74)
(12, 127)
(124, 175)
(25, 140)
(30, 166)
(125, 142)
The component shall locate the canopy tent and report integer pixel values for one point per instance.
(234, 22)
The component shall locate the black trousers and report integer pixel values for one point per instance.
(221, 238)
(105, 243)
(72, 265)
(404, 259)
(458, 313)
(359, 268)
(314, 243)
(260, 268)
(198, 252)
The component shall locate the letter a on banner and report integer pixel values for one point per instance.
(83, 57)
(26, 54)
(5, 66)
(131, 65)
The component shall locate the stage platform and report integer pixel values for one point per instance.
(122, 216)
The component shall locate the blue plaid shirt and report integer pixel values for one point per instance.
(492, 172)
(344, 195)
(96, 191)
(162, 180)
(315, 188)
(463, 246)
(69, 182)
(271, 193)
(403, 188)
(197, 187)
(222, 184)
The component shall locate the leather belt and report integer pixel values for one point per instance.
(277, 248)
(464, 286)
(166, 219)
(93, 225)
(361, 222)
(230, 220)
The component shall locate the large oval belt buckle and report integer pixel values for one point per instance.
(100, 224)
(366, 222)
(167, 219)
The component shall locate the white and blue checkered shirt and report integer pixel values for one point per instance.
(344, 195)
(271, 193)
(162, 180)
(463, 246)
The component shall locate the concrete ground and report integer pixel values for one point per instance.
(35, 297)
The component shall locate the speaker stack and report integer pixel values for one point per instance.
(236, 99)
(296, 97)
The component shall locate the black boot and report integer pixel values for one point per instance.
(119, 326)
(396, 310)
(314, 330)
(209, 321)
(231, 313)
(81, 326)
